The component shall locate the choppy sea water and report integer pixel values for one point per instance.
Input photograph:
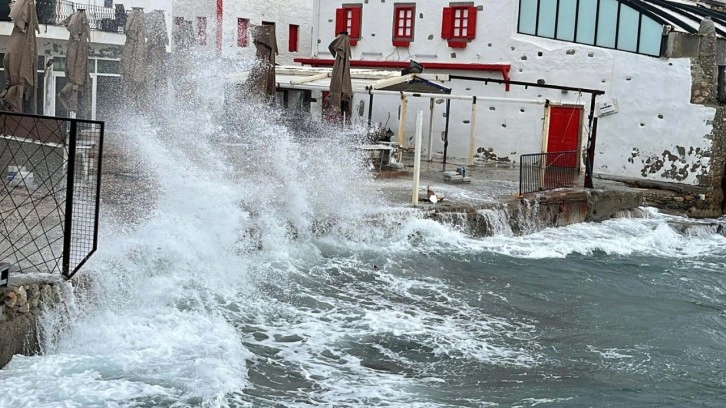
(281, 278)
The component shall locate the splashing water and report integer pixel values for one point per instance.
(262, 267)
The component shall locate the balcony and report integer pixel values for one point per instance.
(55, 12)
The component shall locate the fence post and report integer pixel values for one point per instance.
(417, 157)
(68, 216)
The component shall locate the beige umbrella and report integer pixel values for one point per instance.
(133, 56)
(76, 62)
(341, 88)
(21, 56)
(182, 61)
(156, 42)
(262, 77)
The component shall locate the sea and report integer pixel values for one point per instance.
(267, 269)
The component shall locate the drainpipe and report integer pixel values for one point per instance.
(220, 20)
(315, 30)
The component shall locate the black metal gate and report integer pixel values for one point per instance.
(547, 171)
(49, 197)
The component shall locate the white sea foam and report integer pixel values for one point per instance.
(655, 236)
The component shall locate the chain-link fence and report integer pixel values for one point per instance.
(49, 197)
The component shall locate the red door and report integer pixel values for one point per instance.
(563, 134)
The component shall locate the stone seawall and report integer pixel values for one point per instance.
(22, 303)
(533, 213)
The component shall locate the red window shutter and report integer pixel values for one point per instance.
(243, 26)
(341, 19)
(471, 30)
(292, 38)
(447, 23)
(355, 22)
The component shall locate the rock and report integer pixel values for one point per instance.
(329, 354)
(45, 292)
(288, 339)
(22, 296)
(25, 308)
(260, 336)
(380, 365)
(11, 299)
(678, 199)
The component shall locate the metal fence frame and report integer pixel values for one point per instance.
(547, 171)
(50, 223)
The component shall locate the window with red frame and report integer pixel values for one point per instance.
(404, 17)
(292, 39)
(243, 29)
(348, 19)
(459, 25)
(202, 30)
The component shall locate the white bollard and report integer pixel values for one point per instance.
(417, 157)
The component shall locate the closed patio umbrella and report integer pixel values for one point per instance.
(133, 56)
(21, 56)
(76, 62)
(341, 88)
(262, 77)
(156, 42)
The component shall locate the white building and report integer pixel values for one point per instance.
(292, 20)
(655, 128)
(106, 39)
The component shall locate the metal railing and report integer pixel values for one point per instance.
(55, 12)
(547, 171)
(49, 195)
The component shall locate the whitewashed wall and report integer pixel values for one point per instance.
(281, 12)
(655, 116)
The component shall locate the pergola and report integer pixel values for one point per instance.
(395, 83)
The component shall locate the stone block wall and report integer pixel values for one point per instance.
(709, 200)
(21, 304)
